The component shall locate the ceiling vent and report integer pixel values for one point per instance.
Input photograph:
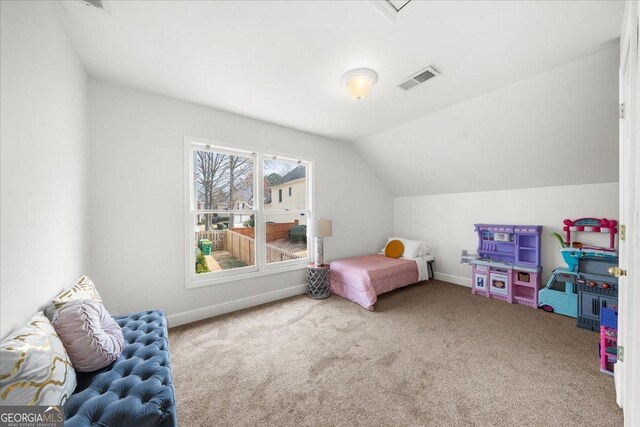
(419, 77)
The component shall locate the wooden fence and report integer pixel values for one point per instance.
(242, 246)
(279, 230)
(276, 254)
(216, 236)
(275, 231)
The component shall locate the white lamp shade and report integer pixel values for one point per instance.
(321, 227)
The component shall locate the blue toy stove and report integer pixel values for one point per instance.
(596, 289)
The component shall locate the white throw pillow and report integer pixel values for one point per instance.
(424, 250)
(411, 247)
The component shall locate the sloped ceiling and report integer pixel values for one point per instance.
(557, 128)
(282, 61)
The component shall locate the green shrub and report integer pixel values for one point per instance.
(298, 233)
(251, 222)
(201, 262)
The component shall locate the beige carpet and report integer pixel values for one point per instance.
(431, 354)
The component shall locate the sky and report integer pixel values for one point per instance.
(278, 166)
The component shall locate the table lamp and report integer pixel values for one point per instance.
(320, 228)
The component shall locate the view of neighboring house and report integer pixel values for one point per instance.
(225, 206)
(288, 192)
(244, 202)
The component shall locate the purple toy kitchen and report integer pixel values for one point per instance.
(507, 267)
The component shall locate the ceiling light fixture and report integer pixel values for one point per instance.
(359, 82)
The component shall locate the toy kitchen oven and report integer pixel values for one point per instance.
(507, 266)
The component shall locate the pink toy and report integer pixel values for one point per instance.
(594, 225)
(511, 286)
(608, 349)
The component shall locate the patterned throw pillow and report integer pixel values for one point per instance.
(34, 366)
(83, 289)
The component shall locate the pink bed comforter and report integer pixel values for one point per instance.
(362, 279)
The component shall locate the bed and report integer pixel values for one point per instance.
(362, 279)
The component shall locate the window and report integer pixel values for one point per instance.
(286, 223)
(231, 232)
(558, 285)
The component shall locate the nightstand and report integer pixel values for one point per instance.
(430, 260)
(318, 281)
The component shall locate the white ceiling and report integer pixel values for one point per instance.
(282, 61)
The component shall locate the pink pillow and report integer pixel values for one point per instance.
(91, 337)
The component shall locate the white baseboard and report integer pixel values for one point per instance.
(457, 280)
(178, 319)
(235, 305)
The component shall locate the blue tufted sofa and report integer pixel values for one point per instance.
(134, 391)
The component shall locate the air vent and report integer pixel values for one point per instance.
(419, 77)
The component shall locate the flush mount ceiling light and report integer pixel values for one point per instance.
(359, 82)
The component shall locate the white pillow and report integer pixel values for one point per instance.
(412, 248)
(424, 250)
(35, 367)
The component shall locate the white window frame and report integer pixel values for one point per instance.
(261, 268)
(308, 212)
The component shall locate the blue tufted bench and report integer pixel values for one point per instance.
(134, 391)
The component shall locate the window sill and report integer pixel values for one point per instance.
(192, 284)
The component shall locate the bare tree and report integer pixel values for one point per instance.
(279, 167)
(222, 179)
(209, 175)
(239, 167)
